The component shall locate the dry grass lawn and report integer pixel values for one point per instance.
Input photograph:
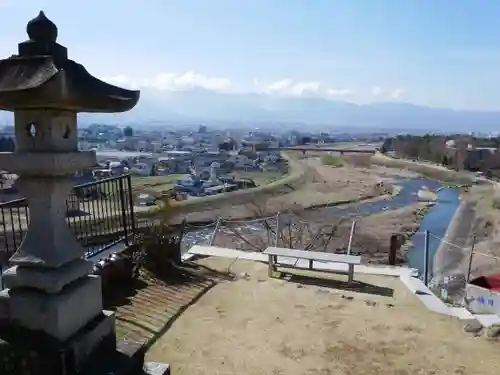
(256, 325)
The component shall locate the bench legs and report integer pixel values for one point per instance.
(270, 266)
(273, 259)
(350, 273)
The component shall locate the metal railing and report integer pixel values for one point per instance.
(100, 214)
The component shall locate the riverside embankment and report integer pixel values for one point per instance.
(309, 184)
(448, 243)
(298, 174)
(436, 218)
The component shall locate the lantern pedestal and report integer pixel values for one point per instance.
(51, 313)
(93, 351)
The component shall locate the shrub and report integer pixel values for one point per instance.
(159, 243)
(358, 160)
(332, 160)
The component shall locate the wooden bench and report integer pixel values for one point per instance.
(311, 256)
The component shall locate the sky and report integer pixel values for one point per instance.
(431, 52)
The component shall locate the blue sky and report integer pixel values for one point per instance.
(435, 52)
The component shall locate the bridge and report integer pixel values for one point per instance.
(341, 151)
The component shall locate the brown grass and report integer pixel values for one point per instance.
(328, 185)
(487, 230)
(257, 325)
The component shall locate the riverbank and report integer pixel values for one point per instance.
(478, 215)
(474, 216)
(379, 215)
(325, 186)
(431, 171)
(395, 208)
(313, 229)
(298, 174)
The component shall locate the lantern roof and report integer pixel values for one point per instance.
(42, 76)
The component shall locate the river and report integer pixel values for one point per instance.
(436, 220)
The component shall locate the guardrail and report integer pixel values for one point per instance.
(100, 214)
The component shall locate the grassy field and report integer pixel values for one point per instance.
(163, 183)
(312, 324)
(156, 183)
(331, 160)
(260, 178)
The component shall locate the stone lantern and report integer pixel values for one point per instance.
(51, 314)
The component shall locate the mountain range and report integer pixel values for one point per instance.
(197, 106)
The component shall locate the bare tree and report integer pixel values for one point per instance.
(298, 229)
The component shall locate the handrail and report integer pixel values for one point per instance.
(99, 222)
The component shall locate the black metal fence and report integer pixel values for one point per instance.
(100, 214)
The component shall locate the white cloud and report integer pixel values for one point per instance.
(381, 93)
(397, 93)
(284, 87)
(189, 80)
(339, 92)
(289, 87)
(377, 91)
(172, 81)
(120, 80)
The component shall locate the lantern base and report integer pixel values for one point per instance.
(94, 350)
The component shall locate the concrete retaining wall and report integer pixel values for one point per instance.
(481, 300)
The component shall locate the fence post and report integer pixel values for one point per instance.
(393, 248)
(278, 229)
(179, 242)
(426, 259)
(351, 235)
(131, 204)
(212, 237)
(124, 211)
(470, 257)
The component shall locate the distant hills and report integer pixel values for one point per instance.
(208, 106)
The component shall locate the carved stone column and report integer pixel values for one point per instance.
(50, 257)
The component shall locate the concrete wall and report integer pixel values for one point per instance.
(481, 300)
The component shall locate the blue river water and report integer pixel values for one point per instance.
(436, 220)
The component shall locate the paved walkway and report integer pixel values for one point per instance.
(257, 256)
